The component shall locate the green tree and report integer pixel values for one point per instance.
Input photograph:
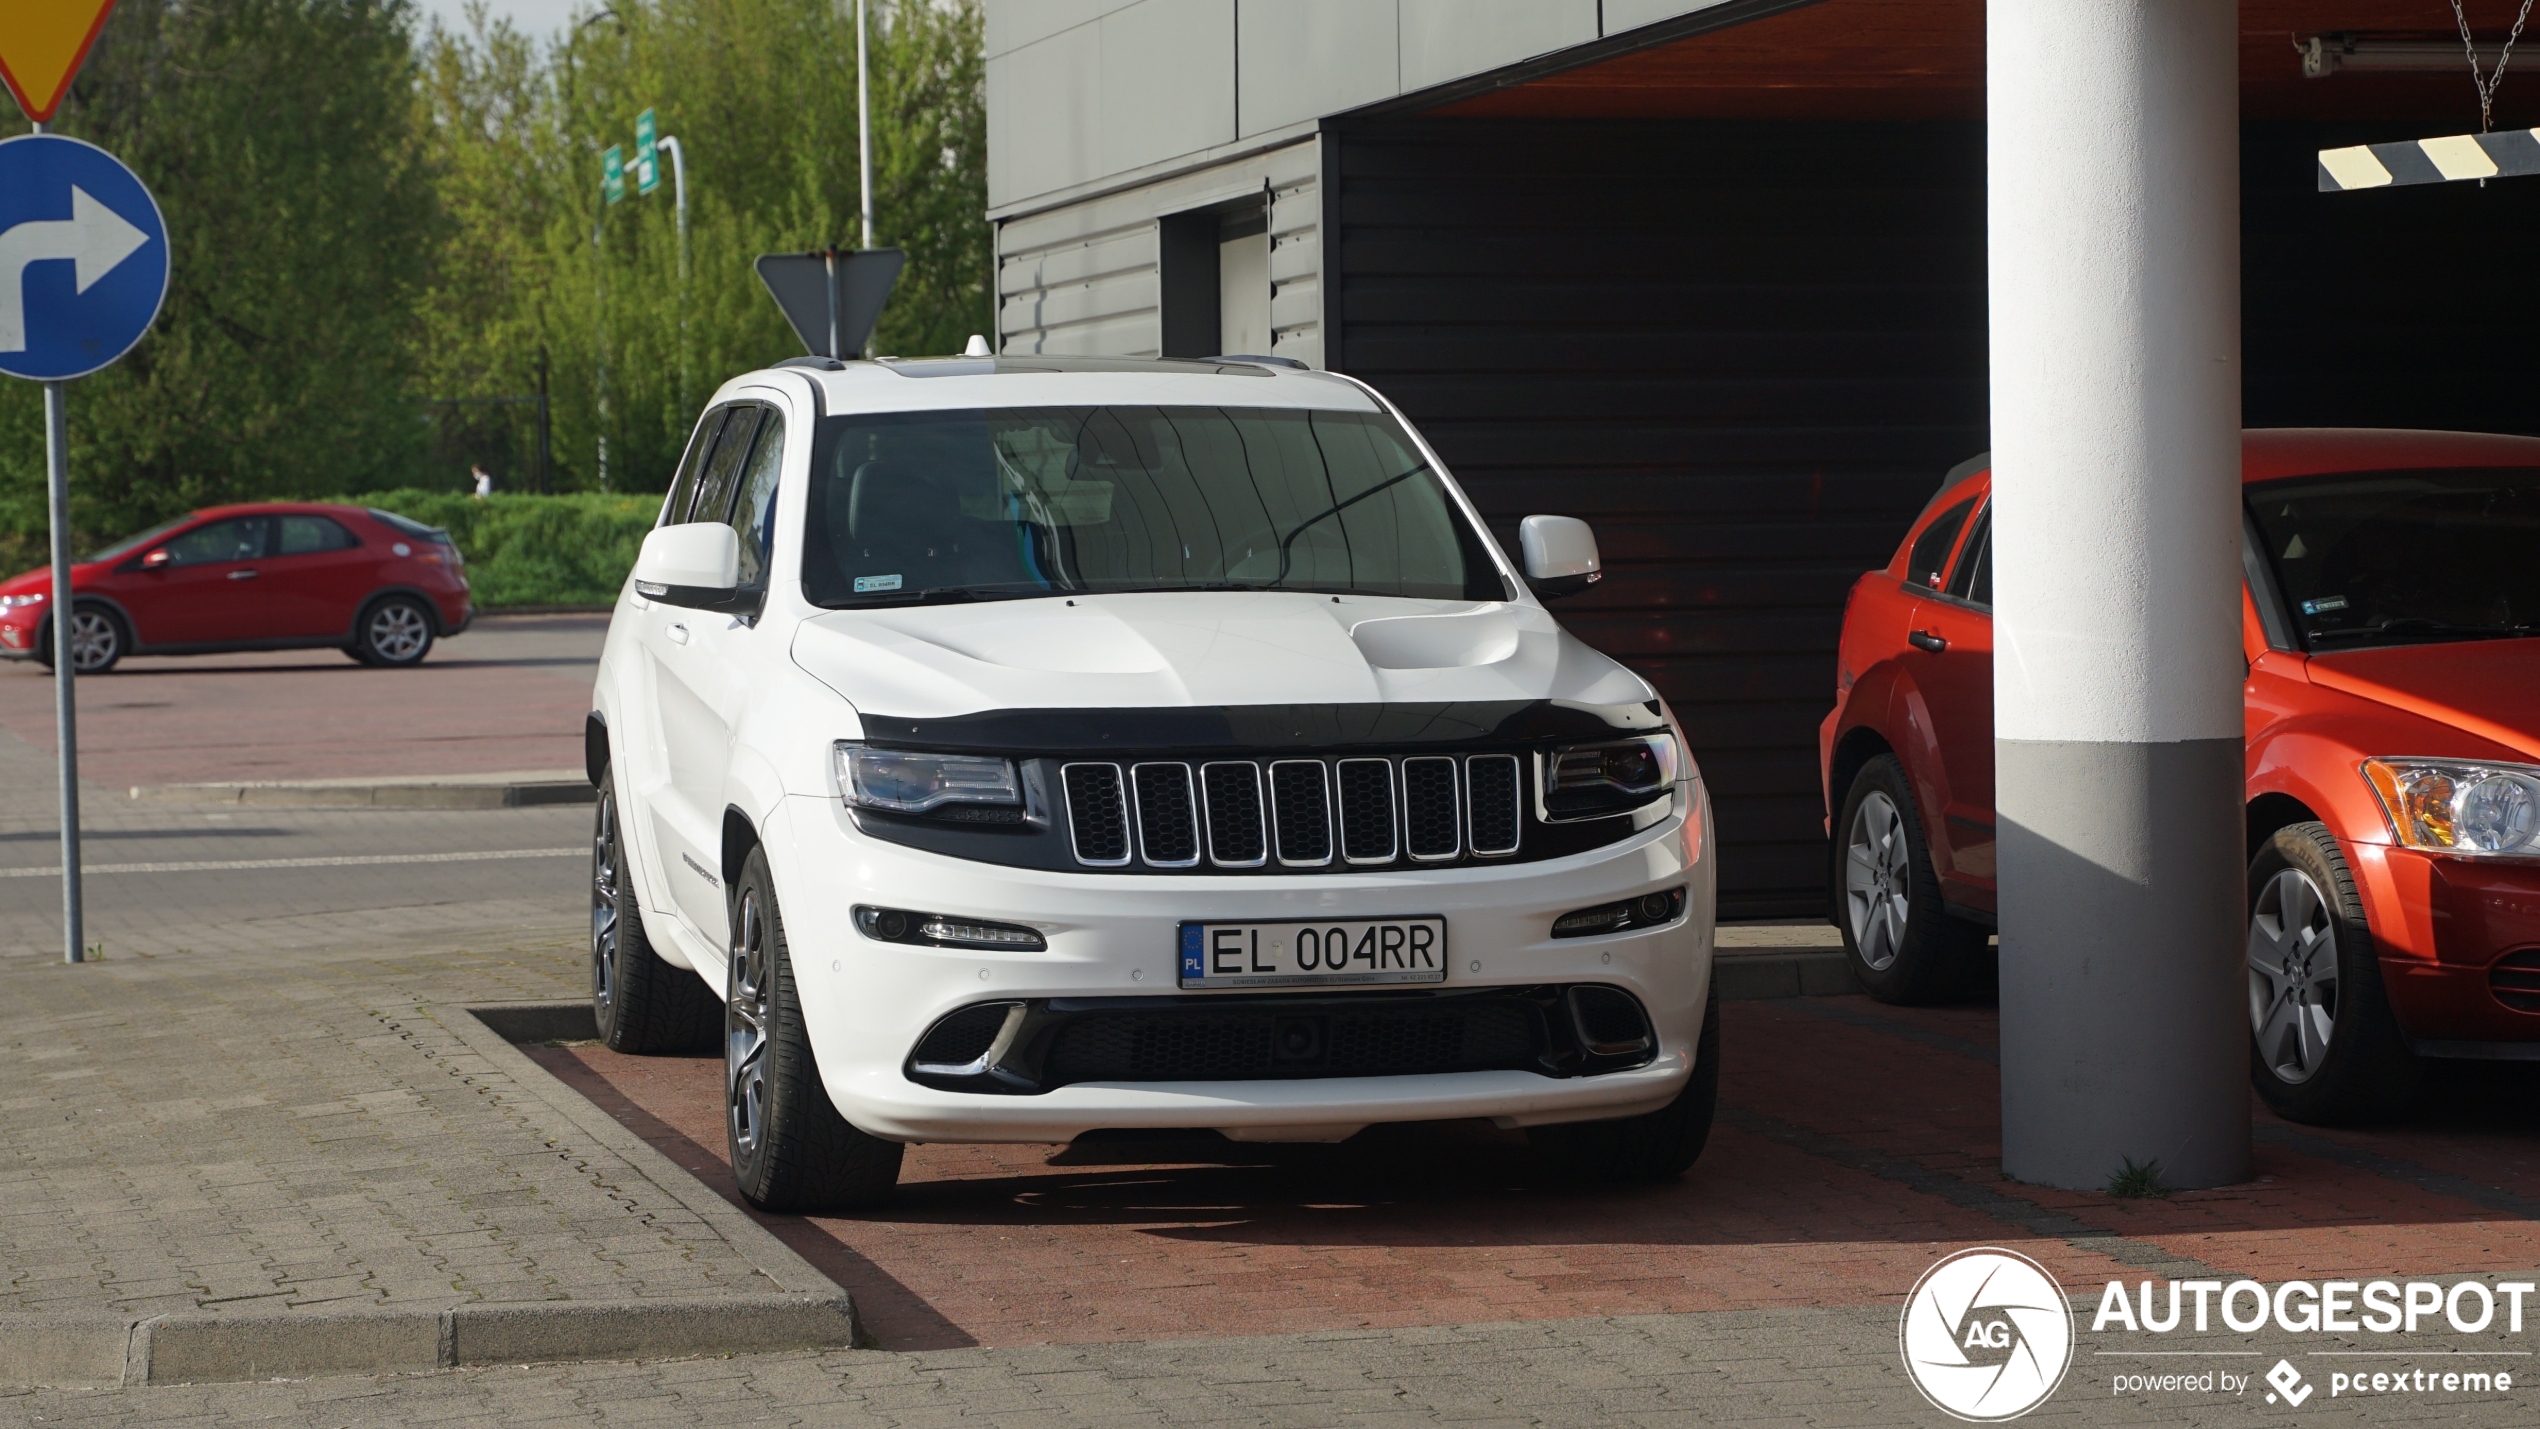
(534, 277)
(277, 136)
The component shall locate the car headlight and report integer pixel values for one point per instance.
(2467, 807)
(16, 602)
(902, 782)
(1585, 781)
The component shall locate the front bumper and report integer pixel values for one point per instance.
(868, 1003)
(2450, 932)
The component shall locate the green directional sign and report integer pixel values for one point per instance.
(613, 174)
(647, 155)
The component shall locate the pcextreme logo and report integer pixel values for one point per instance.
(1986, 1335)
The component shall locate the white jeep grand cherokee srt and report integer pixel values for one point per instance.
(1006, 749)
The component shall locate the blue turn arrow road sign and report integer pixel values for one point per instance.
(83, 257)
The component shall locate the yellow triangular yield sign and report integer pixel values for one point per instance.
(41, 45)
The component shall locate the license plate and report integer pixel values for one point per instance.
(1315, 953)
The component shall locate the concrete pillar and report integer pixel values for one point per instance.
(2114, 196)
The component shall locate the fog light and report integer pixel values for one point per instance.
(1650, 910)
(939, 930)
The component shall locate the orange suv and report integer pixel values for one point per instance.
(2391, 620)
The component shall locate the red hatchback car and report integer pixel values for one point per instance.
(272, 576)
(2391, 619)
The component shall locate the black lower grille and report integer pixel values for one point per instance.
(1175, 1046)
(2515, 979)
(964, 1037)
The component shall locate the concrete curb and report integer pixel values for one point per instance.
(456, 791)
(105, 1352)
(803, 1309)
(1752, 976)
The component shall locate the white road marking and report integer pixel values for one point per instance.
(342, 861)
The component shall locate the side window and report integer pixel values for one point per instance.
(1931, 549)
(723, 469)
(1972, 581)
(683, 488)
(242, 539)
(754, 507)
(307, 535)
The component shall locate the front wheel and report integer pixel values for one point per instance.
(1654, 1146)
(2324, 1046)
(791, 1150)
(393, 633)
(98, 641)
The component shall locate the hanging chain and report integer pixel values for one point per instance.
(2487, 83)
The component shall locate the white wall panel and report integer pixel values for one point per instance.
(1449, 39)
(1167, 80)
(1043, 115)
(1621, 15)
(1303, 59)
(1012, 24)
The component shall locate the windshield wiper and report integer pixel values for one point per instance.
(2424, 625)
(946, 595)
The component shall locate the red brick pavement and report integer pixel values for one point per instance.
(1010, 1245)
(508, 695)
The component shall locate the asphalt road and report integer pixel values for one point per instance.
(508, 695)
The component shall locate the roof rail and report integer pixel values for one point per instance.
(817, 364)
(1256, 357)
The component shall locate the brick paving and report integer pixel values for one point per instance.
(509, 694)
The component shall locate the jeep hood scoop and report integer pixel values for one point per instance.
(1204, 648)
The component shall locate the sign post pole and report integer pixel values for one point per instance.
(57, 461)
(83, 269)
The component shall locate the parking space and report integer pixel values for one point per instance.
(1856, 1143)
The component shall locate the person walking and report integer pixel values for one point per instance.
(484, 480)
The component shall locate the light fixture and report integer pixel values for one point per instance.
(2324, 55)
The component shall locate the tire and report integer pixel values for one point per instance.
(643, 1005)
(99, 640)
(393, 633)
(1655, 1146)
(2324, 1046)
(791, 1150)
(1903, 945)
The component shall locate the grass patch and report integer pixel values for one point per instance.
(2136, 1182)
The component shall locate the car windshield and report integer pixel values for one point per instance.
(2374, 558)
(130, 544)
(914, 507)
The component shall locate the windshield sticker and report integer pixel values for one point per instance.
(871, 583)
(2321, 606)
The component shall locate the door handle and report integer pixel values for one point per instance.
(1926, 640)
(678, 635)
(242, 575)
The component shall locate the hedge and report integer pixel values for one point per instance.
(534, 550)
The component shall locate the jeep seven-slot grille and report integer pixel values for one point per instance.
(1294, 813)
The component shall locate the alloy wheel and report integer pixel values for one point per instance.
(745, 1019)
(94, 640)
(608, 865)
(397, 632)
(1877, 880)
(2292, 974)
